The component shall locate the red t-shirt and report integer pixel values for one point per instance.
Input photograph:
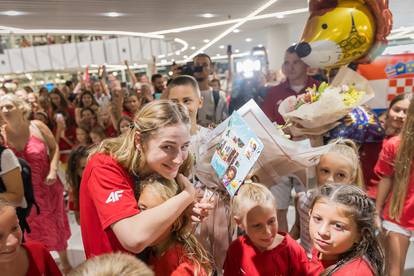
(41, 262)
(243, 258)
(385, 168)
(368, 156)
(174, 263)
(355, 267)
(276, 95)
(106, 196)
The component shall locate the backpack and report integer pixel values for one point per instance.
(26, 173)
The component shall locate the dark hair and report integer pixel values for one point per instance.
(72, 177)
(86, 109)
(362, 210)
(182, 80)
(63, 103)
(399, 97)
(87, 92)
(203, 55)
(123, 118)
(99, 130)
(291, 49)
(155, 76)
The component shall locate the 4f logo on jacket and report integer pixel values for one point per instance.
(114, 196)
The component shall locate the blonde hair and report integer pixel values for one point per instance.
(152, 117)
(251, 193)
(181, 230)
(403, 164)
(349, 150)
(181, 81)
(112, 264)
(22, 105)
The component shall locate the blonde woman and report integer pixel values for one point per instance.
(157, 143)
(34, 142)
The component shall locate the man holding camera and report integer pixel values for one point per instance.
(214, 109)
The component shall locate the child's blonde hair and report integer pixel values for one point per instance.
(403, 164)
(251, 193)
(349, 150)
(182, 228)
(112, 264)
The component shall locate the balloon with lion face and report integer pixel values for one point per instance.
(339, 32)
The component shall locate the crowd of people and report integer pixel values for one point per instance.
(131, 159)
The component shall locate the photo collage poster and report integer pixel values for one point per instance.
(236, 154)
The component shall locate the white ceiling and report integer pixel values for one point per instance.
(156, 15)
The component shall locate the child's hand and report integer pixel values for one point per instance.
(201, 210)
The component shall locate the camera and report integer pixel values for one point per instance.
(189, 69)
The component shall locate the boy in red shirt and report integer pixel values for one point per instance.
(262, 250)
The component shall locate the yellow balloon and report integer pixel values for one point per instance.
(338, 36)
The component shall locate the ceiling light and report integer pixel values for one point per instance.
(280, 16)
(221, 47)
(113, 14)
(207, 15)
(231, 21)
(193, 48)
(177, 53)
(236, 31)
(12, 13)
(248, 39)
(185, 56)
(260, 45)
(237, 51)
(235, 26)
(206, 40)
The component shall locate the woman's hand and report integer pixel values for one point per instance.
(51, 177)
(186, 185)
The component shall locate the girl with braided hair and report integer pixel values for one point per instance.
(343, 231)
(395, 198)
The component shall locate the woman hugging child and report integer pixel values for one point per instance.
(262, 250)
(176, 252)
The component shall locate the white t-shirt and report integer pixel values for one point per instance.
(8, 161)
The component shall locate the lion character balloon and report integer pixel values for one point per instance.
(339, 32)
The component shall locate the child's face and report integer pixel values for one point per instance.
(81, 136)
(132, 104)
(334, 168)
(150, 198)
(96, 138)
(332, 230)
(81, 166)
(185, 94)
(260, 225)
(124, 126)
(10, 234)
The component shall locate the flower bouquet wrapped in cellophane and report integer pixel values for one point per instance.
(319, 110)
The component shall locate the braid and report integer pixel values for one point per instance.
(362, 209)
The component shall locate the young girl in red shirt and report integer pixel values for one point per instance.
(262, 250)
(176, 252)
(17, 259)
(395, 197)
(343, 230)
(339, 165)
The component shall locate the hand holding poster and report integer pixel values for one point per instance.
(280, 156)
(236, 154)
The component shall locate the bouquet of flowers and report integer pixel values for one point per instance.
(320, 109)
